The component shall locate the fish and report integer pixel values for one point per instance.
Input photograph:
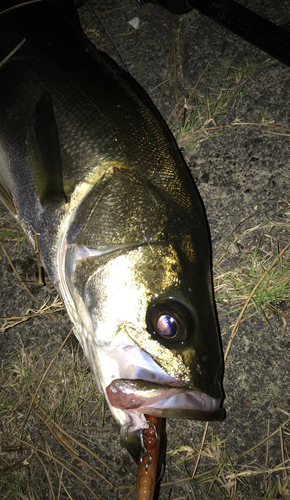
(91, 171)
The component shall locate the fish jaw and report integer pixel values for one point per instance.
(141, 386)
(155, 392)
(109, 307)
(136, 398)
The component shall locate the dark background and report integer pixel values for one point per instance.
(244, 172)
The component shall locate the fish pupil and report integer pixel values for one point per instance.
(166, 326)
(170, 321)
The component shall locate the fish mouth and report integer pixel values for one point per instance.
(162, 400)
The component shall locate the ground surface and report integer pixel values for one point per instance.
(242, 175)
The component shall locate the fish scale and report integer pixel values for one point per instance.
(89, 166)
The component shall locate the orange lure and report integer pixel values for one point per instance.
(148, 459)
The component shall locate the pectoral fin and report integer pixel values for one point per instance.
(44, 153)
(6, 191)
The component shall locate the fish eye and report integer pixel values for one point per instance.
(166, 326)
(170, 320)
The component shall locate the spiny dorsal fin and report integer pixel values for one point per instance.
(44, 153)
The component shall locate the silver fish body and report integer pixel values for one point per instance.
(88, 165)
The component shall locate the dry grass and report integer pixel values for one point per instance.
(228, 472)
(63, 400)
(250, 279)
(255, 279)
(35, 410)
(198, 116)
(11, 321)
(41, 395)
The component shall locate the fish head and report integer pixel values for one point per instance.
(137, 284)
(149, 332)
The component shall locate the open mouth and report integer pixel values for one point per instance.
(168, 401)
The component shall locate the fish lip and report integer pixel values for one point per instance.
(169, 401)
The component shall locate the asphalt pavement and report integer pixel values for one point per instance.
(243, 177)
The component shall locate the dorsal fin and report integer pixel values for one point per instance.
(44, 153)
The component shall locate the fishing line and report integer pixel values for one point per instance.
(96, 18)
